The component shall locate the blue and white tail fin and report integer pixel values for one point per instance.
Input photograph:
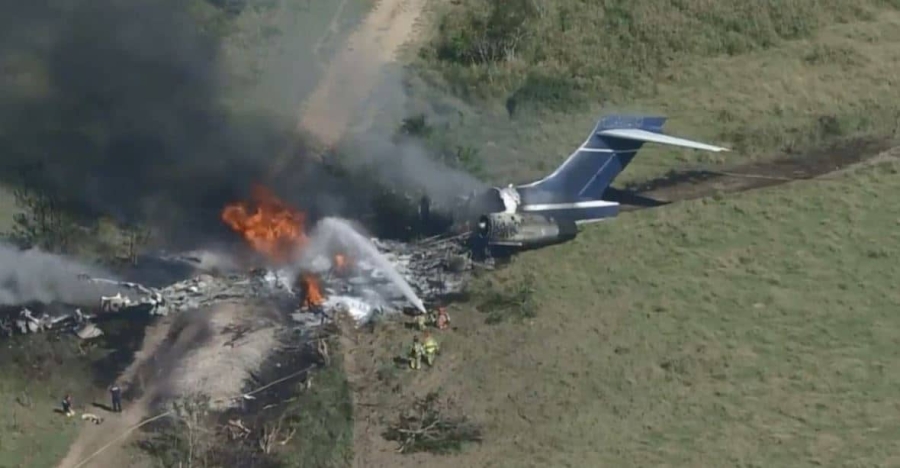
(611, 146)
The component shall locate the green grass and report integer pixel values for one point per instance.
(323, 418)
(756, 331)
(37, 372)
(772, 78)
(276, 51)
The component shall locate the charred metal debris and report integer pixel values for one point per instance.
(435, 268)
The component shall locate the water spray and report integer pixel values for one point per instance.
(331, 231)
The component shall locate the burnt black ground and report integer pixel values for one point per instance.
(699, 183)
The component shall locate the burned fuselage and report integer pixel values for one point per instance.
(523, 231)
(546, 211)
(497, 220)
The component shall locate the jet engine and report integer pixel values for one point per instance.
(524, 230)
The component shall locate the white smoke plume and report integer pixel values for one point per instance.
(36, 276)
(408, 165)
(405, 164)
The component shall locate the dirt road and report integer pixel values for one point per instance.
(354, 73)
(209, 351)
(93, 438)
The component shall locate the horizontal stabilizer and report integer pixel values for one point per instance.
(636, 134)
(586, 175)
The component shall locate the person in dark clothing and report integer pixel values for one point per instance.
(116, 393)
(67, 405)
(424, 216)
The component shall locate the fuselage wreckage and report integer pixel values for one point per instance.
(549, 211)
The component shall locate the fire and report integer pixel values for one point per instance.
(276, 230)
(340, 261)
(270, 226)
(312, 294)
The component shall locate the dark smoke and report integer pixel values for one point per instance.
(118, 106)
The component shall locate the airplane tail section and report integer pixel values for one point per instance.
(611, 146)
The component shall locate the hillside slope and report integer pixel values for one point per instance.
(757, 330)
(778, 77)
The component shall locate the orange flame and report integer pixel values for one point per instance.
(276, 230)
(268, 224)
(340, 261)
(312, 294)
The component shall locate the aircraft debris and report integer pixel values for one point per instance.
(88, 331)
(433, 268)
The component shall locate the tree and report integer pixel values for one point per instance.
(191, 414)
(416, 126)
(487, 35)
(44, 223)
(135, 237)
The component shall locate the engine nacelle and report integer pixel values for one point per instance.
(524, 230)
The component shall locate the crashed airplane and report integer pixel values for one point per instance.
(549, 211)
(509, 219)
(434, 269)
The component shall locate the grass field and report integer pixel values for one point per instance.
(275, 52)
(758, 330)
(37, 372)
(780, 77)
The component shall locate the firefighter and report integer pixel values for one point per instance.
(443, 320)
(421, 321)
(431, 348)
(115, 393)
(415, 354)
(424, 215)
(67, 405)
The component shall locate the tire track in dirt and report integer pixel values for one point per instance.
(691, 184)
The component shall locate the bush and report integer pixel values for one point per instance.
(427, 428)
(463, 157)
(44, 223)
(516, 301)
(490, 34)
(531, 50)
